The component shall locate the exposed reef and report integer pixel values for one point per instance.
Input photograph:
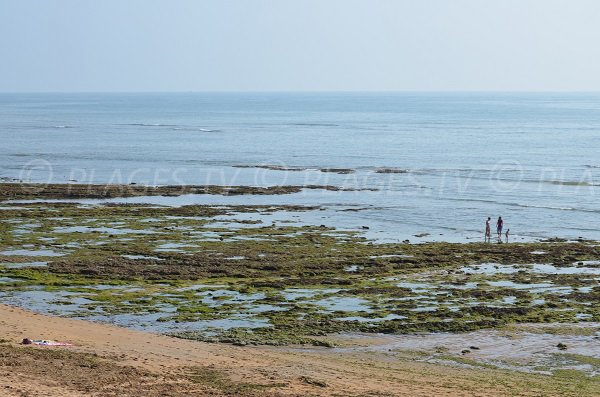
(32, 191)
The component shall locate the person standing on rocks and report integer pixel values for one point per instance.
(499, 225)
(488, 232)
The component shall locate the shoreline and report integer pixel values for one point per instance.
(348, 211)
(291, 306)
(184, 368)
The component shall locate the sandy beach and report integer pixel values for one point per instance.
(106, 360)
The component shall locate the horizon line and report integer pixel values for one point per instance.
(304, 91)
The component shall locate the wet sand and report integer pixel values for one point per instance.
(107, 360)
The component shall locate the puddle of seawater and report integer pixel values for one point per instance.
(391, 256)
(539, 268)
(25, 228)
(8, 280)
(219, 297)
(509, 300)
(587, 263)
(152, 220)
(465, 286)
(105, 287)
(67, 303)
(417, 287)
(210, 236)
(197, 287)
(142, 257)
(538, 287)
(172, 247)
(343, 304)
(534, 288)
(24, 264)
(292, 294)
(248, 238)
(425, 309)
(44, 301)
(24, 252)
(106, 230)
(585, 290)
(519, 350)
(538, 301)
(149, 322)
(489, 268)
(551, 269)
(263, 308)
(361, 319)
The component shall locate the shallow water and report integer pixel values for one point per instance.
(172, 247)
(291, 294)
(7, 280)
(142, 257)
(518, 349)
(344, 303)
(468, 155)
(24, 264)
(532, 287)
(72, 304)
(25, 252)
(540, 268)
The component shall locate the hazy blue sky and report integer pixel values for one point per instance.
(197, 45)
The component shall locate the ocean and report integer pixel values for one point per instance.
(452, 159)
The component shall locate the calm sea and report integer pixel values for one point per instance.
(531, 158)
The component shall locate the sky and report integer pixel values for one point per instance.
(299, 45)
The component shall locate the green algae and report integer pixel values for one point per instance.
(23, 191)
(422, 286)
